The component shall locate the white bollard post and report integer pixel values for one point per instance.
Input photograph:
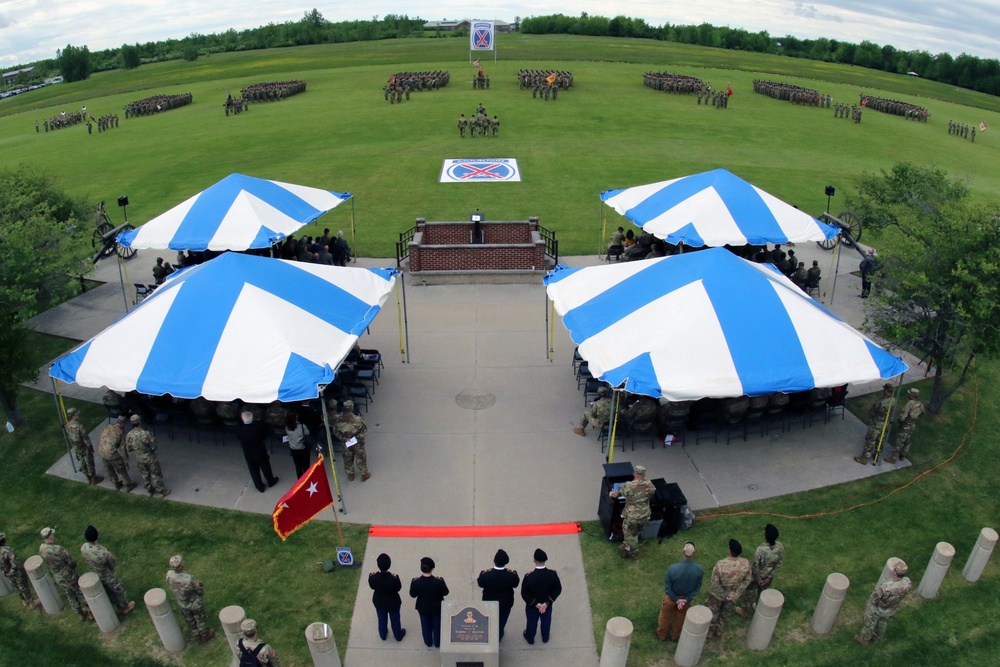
(164, 620)
(765, 619)
(980, 555)
(887, 571)
(97, 600)
(231, 617)
(694, 632)
(617, 641)
(829, 603)
(936, 570)
(322, 645)
(44, 587)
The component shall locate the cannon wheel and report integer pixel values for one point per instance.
(854, 225)
(829, 244)
(98, 239)
(123, 251)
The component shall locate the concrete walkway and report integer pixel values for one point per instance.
(512, 461)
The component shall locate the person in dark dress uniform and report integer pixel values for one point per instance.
(251, 435)
(539, 591)
(386, 598)
(429, 592)
(498, 584)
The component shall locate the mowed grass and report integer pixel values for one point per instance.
(607, 132)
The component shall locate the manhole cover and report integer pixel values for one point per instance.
(475, 400)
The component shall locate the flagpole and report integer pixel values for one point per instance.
(333, 468)
(354, 241)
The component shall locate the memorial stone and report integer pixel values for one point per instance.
(470, 634)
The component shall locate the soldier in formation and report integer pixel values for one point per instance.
(463, 123)
(13, 570)
(636, 513)
(597, 414)
(79, 440)
(895, 107)
(883, 604)
(534, 79)
(351, 427)
(790, 93)
(766, 561)
(673, 83)
(106, 122)
(63, 569)
(103, 563)
(272, 90)
(156, 104)
(190, 596)
(878, 424)
(730, 578)
(961, 130)
(63, 119)
(908, 417)
(143, 444)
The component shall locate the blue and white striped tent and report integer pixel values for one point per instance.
(709, 324)
(238, 326)
(237, 213)
(715, 208)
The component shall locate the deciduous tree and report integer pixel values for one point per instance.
(938, 289)
(42, 248)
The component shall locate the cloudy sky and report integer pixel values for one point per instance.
(33, 29)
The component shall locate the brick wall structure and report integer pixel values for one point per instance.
(506, 246)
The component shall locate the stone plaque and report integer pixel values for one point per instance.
(470, 626)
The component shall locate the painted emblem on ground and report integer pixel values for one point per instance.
(468, 170)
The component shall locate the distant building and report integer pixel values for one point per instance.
(11, 76)
(501, 26)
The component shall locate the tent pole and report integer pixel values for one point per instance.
(404, 348)
(548, 342)
(833, 291)
(62, 422)
(604, 227)
(121, 277)
(333, 468)
(613, 431)
(354, 240)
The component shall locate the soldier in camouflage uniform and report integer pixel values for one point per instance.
(766, 561)
(142, 442)
(102, 563)
(275, 417)
(12, 568)
(730, 578)
(597, 414)
(228, 411)
(114, 456)
(635, 514)
(883, 604)
(79, 439)
(877, 420)
(907, 422)
(641, 411)
(190, 594)
(249, 643)
(347, 426)
(63, 569)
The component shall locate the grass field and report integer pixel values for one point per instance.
(608, 131)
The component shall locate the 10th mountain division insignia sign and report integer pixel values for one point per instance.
(478, 170)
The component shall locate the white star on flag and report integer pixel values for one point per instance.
(312, 489)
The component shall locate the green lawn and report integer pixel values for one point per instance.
(607, 132)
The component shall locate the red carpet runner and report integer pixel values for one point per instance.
(526, 530)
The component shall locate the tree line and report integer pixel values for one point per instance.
(964, 71)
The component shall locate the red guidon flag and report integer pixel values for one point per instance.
(308, 497)
(982, 126)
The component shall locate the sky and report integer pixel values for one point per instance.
(32, 29)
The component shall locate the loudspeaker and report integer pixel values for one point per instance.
(123, 200)
(830, 191)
